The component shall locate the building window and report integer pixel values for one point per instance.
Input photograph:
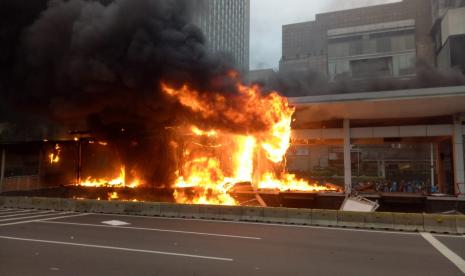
(371, 67)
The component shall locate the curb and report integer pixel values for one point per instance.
(434, 223)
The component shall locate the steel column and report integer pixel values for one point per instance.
(2, 168)
(459, 172)
(347, 161)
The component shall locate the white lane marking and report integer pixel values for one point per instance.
(34, 216)
(336, 228)
(154, 229)
(115, 222)
(46, 219)
(449, 254)
(17, 211)
(24, 214)
(8, 210)
(119, 248)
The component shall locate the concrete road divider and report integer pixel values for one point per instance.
(460, 224)
(188, 211)
(274, 215)
(44, 203)
(451, 224)
(133, 208)
(350, 219)
(208, 212)
(229, 212)
(11, 202)
(440, 223)
(169, 210)
(324, 217)
(379, 220)
(252, 213)
(151, 209)
(102, 206)
(299, 216)
(67, 205)
(85, 205)
(26, 202)
(408, 222)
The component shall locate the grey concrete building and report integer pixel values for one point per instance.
(449, 33)
(260, 75)
(384, 40)
(226, 25)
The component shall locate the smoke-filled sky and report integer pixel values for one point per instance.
(267, 17)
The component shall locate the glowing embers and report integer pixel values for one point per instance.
(118, 181)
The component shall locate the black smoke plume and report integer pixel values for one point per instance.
(310, 83)
(99, 64)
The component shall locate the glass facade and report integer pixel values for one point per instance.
(396, 167)
(322, 163)
(378, 54)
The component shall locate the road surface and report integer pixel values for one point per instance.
(34, 242)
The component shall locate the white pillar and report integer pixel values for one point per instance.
(2, 169)
(459, 172)
(347, 161)
(432, 164)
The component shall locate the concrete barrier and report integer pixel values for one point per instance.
(45, 203)
(324, 217)
(188, 211)
(379, 220)
(209, 212)
(169, 210)
(230, 212)
(299, 216)
(252, 213)
(85, 205)
(460, 224)
(274, 215)
(451, 224)
(151, 209)
(101, 206)
(350, 219)
(440, 223)
(11, 202)
(25, 202)
(67, 204)
(408, 222)
(133, 208)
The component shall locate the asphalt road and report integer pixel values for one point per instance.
(64, 243)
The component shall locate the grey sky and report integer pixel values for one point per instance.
(267, 17)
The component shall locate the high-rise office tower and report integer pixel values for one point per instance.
(225, 24)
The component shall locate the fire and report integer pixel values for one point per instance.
(289, 182)
(54, 156)
(214, 160)
(119, 181)
(113, 195)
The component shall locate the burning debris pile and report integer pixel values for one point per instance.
(250, 147)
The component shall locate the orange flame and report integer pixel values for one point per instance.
(209, 171)
(54, 156)
(119, 181)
